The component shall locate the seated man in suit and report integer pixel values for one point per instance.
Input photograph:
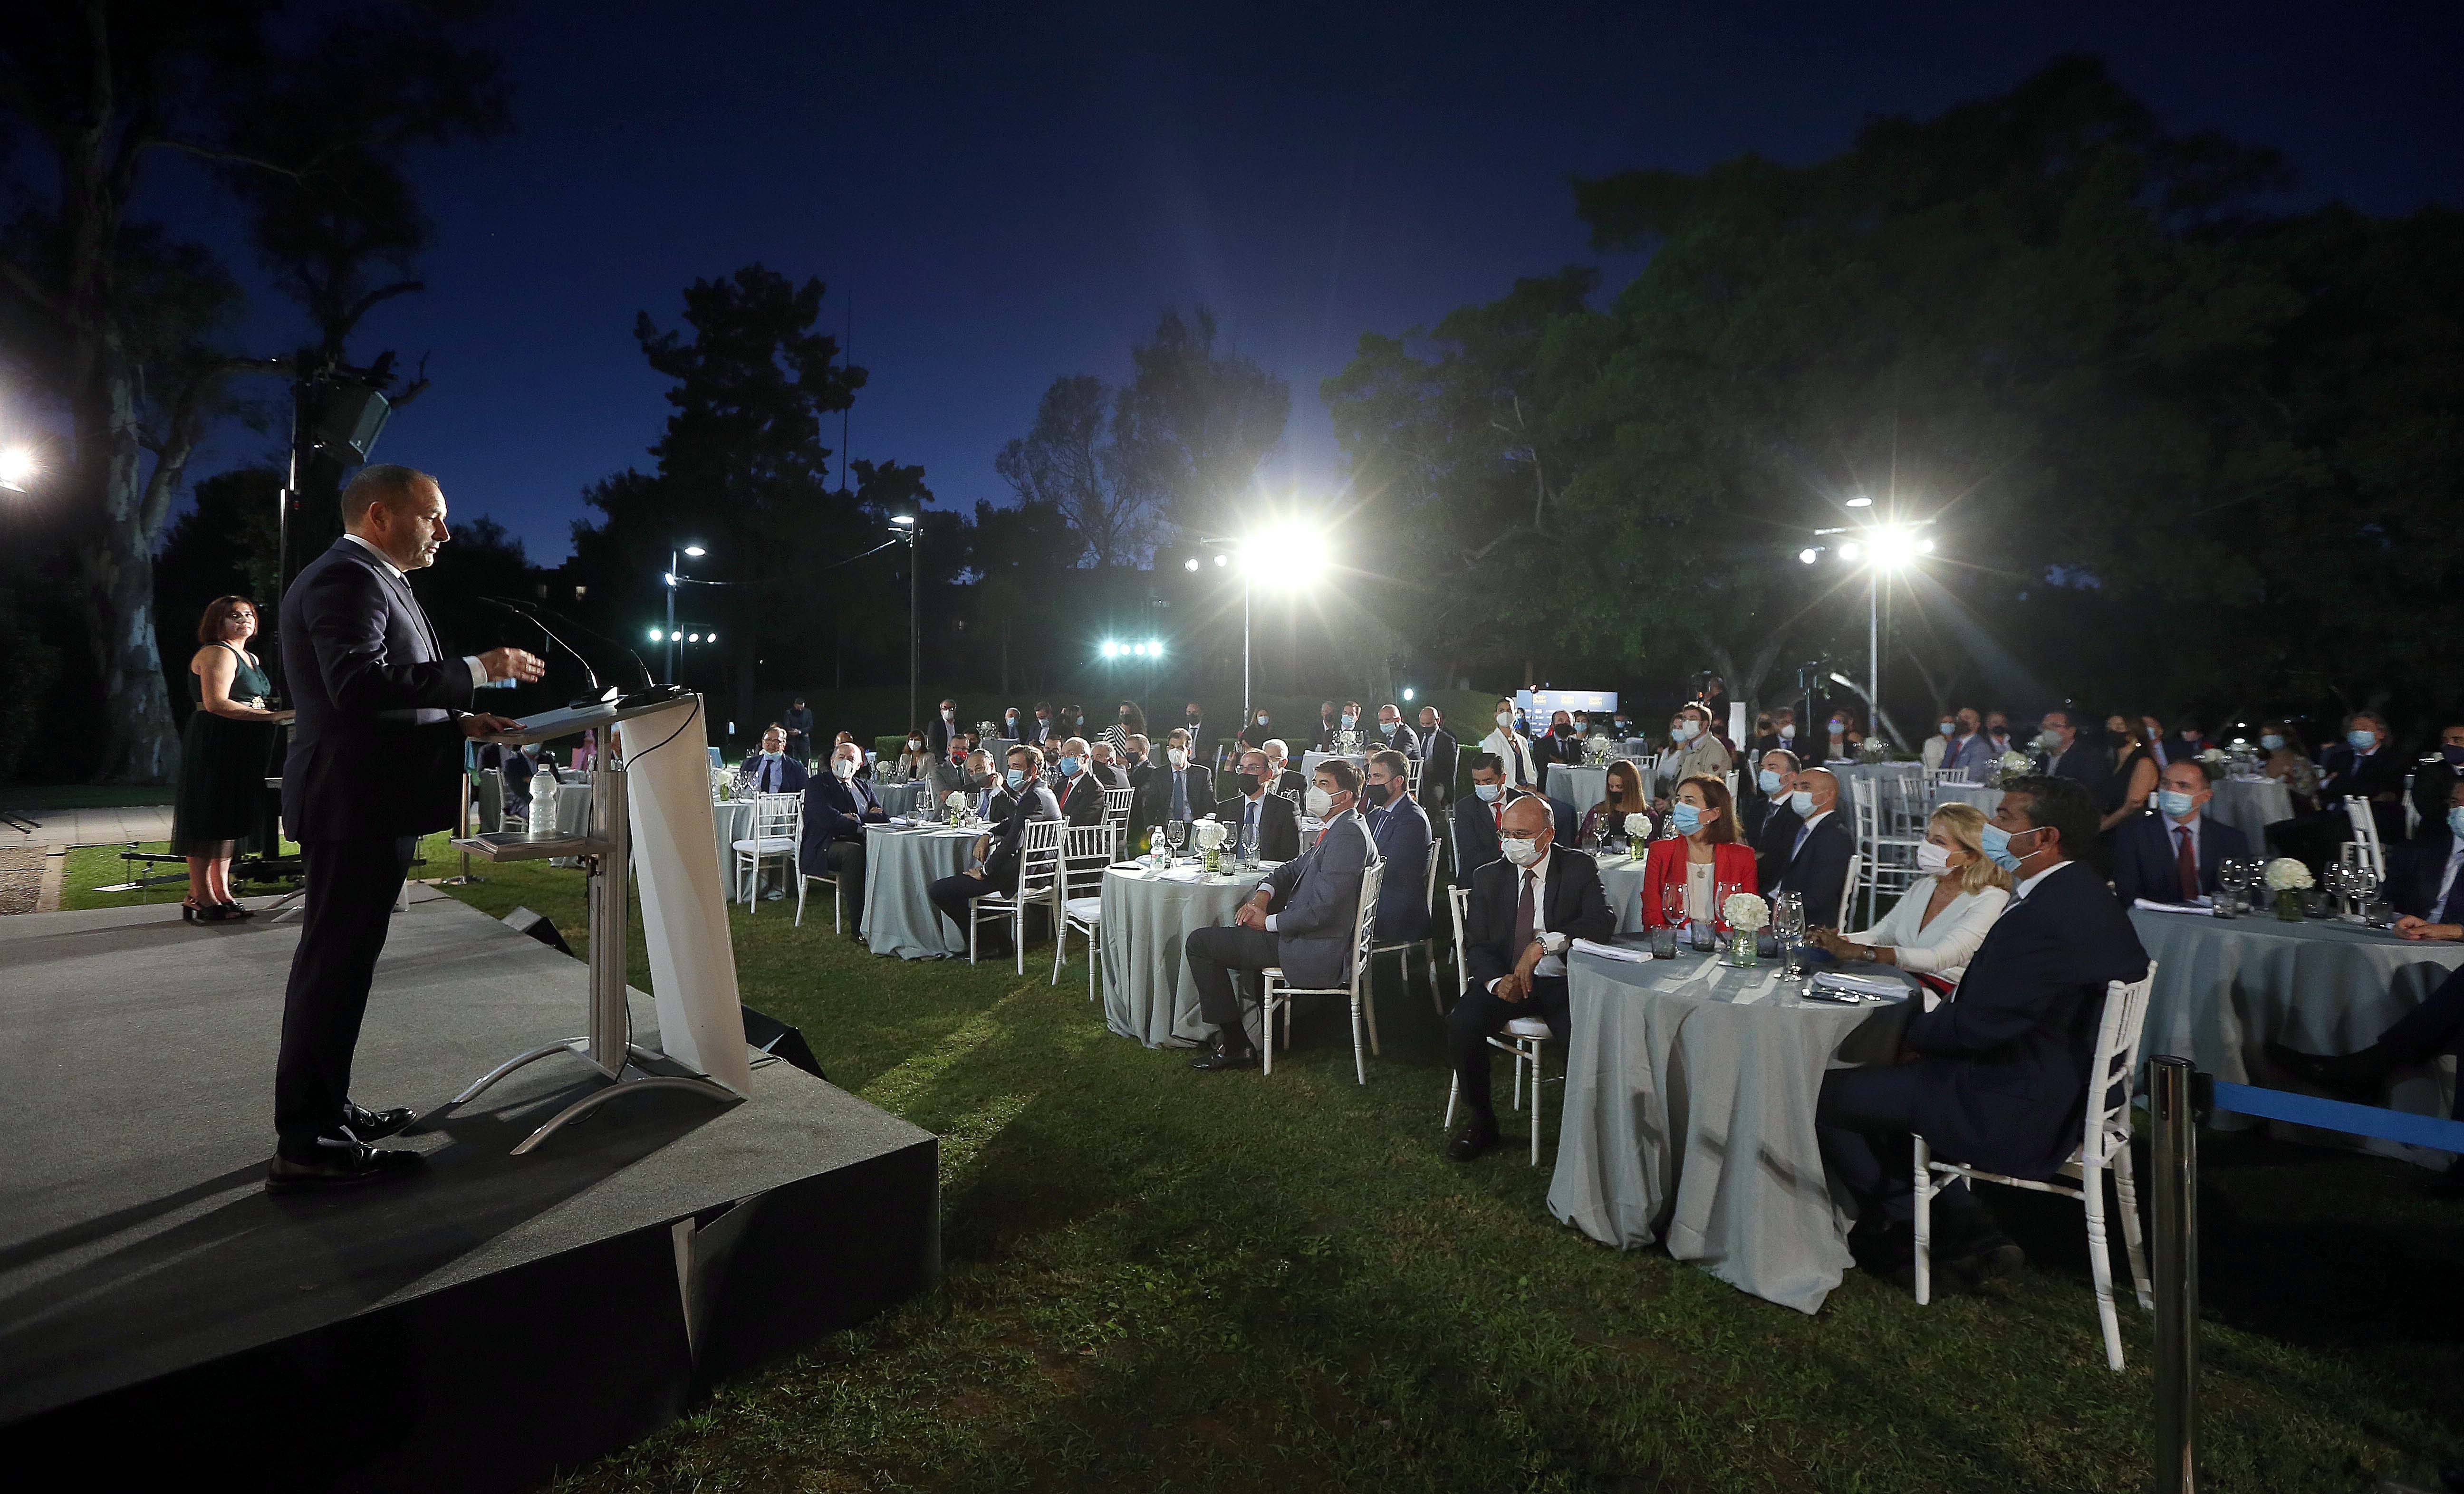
(1815, 866)
(1282, 777)
(950, 771)
(2000, 1076)
(2171, 856)
(837, 807)
(1525, 909)
(2062, 753)
(1477, 819)
(1138, 757)
(2422, 873)
(2435, 778)
(1968, 750)
(1558, 744)
(1393, 732)
(1302, 918)
(1081, 795)
(1405, 844)
(1776, 772)
(771, 770)
(1278, 823)
(1179, 788)
(1107, 768)
(1330, 721)
(997, 850)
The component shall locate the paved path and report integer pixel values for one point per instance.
(60, 830)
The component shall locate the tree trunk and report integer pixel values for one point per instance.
(117, 560)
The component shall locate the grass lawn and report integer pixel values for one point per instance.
(1164, 1280)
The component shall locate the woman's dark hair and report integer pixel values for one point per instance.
(1632, 774)
(210, 627)
(1721, 831)
(1135, 719)
(2286, 730)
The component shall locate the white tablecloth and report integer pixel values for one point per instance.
(1579, 787)
(1985, 798)
(564, 809)
(899, 864)
(1689, 1118)
(2251, 807)
(2226, 987)
(1146, 991)
(1310, 759)
(1621, 883)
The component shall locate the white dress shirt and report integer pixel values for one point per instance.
(478, 671)
(2019, 893)
(1552, 961)
(1944, 946)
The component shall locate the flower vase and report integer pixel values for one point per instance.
(1741, 950)
(2288, 906)
(1214, 860)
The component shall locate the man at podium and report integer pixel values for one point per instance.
(375, 756)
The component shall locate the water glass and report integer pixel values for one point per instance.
(1249, 845)
(1175, 834)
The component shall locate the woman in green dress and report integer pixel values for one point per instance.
(223, 757)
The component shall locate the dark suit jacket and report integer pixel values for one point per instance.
(2004, 1083)
(937, 734)
(834, 812)
(1547, 748)
(1289, 782)
(2433, 786)
(1475, 831)
(793, 775)
(375, 752)
(1322, 738)
(1775, 843)
(1002, 862)
(1153, 806)
(1576, 907)
(1405, 844)
(1817, 869)
(2144, 864)
(1085, 805)
(2413, 870)
(2342, 770)
(2083, 765)
(1405, 741)
(1440, 757)
(1279, 825)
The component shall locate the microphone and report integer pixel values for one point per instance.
(584, 628)
(597, 697)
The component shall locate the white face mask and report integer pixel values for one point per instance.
(1522, 850)
(949, 715)
(1320, 802)
(1686, 731)
(844, 767)
(1505, 720)
(1179, 758)
(1931, 859)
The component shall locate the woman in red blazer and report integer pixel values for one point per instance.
(1706, 839)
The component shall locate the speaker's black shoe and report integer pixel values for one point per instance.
(1222, 1060)
(376, 1125)
(338, 1163)
(1471, 1141)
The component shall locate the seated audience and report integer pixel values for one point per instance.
(2172, 855)
(1665, 776)
(1815, 866)
(1624, 796)
(1508, 746)
(1946, 732)
(2422, 881)
(1009, 724)
(1699, 751)
(1402, 830)
(993, 796)
(996, 856)
(1999, 1076)
(2134, 776)
(1774, 780)
(1254, 734)
(1282, 777)
(915, 760)
(1560, 743)
(1106, 766)
(1705, 856)
(950, 774)
(1176, 789)
(2435, 778)
(1477, 818)
(2365, 765)
(1140, 758)
(1845, 740)
(837, 807)
(2423, 1036)
(1079, 788)
(1970, 751)
(1129, 723)
(1935, 928)
(1393, 732)
(2285, 757)
(1997, 732)
(770, 770)
(1303, 918)
(1330, 721)
(1525, 909)
(1278, 823)
(2062, 753)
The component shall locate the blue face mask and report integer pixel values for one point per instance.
(1017, 778)
(1069, 767)
(1996, 844)
(2456, 821)
(1488, 792)
(2172, 804)
(1769, 779)
(1950, 728)
(1802, 802)
(1688, 819)
(2362, 738)
(2272, 742)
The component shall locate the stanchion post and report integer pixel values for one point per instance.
(2174, 1244)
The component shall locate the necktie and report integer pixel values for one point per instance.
(1179, 797)
(1524, 917)
(2186, 858)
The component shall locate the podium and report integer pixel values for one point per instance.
(649, 802)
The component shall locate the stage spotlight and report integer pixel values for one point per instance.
(1155, 648)
(1190, 564)
(1809, 555)
(1407, 693)
(712, 639)
(16, 466)
(1892, 548)
(1109, 649)
(692, 637)
(658, 634)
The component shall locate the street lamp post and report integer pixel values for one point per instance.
(908, 529)
(675, 563)
(1884, 548)
(1293, 550)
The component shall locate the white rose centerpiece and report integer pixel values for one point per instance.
(1211, 835)
(1745, 915)
(1637, 825)
(2288, 879)
(957, 805)
(2009, 766)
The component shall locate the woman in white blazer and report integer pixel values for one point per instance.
(1936, 928)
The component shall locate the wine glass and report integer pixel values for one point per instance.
(1672, 918)
(1788, 926)
(1249, 844)
(1175, 834)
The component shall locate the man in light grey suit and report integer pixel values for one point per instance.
(1302, 917)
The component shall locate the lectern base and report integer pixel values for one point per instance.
(486, 1325)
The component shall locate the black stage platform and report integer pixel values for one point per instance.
(483, 1327)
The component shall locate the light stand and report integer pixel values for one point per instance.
(909, 529)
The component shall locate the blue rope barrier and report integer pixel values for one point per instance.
(2360, 1120)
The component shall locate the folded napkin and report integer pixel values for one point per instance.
(2172, 907)
(1629, 953)
(1863, 985)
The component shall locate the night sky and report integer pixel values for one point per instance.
(1010, 193)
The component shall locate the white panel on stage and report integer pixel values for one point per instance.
(693, 964)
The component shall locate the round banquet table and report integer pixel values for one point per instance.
(1148, 994)
(899, 864)
(564, 809)
(1674, 1069)
(902, 798)
(1987, 800)
(2225, 987)
(1579, 787)
(1310, 759)
(2250, 805)
(1621, 883)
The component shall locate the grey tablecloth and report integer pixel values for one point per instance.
(1146, 991)
(564, 809)
(1621, 881)
(2251, 808)
(2226, 987)
(1581, 788)
(1310, 759)
(1985, 798)
(898, 865)
(901, 798)
(1689, 1118)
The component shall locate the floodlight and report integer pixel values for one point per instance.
(1220, 558)
(1924, 547)
(17, 464)
(1190, 563)
(1155, 648)
(1407, 693)
(1892, 548)
(1111, 650)
(1851, 550)
(692, 637)
(657, 634)
(903, 521)
(712, 639)
(1809, 555)
(695, 551)
(1861, 501)
(667, 578)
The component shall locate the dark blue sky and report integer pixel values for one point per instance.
(1013, 192)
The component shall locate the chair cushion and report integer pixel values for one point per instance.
(767, 843)
(1527, 1027)
(1085, 910)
